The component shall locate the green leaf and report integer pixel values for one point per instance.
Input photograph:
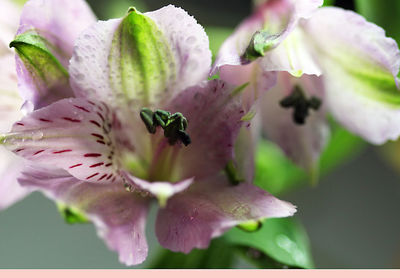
(141, 63)
(329, 2)
(383, 13)
(218, 255)
(282, 239)
(275, 173)
(278, 175)
(38, 56)
(217, 35)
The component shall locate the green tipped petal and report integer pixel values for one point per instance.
(141, 62)
(43, 76)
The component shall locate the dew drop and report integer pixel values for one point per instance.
(37, 135)
(191, 40)
(27, 107)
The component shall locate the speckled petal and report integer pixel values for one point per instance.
(211, 207)
(74, 134)
(113, 71)
(119, 216)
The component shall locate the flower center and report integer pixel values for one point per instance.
(300, 104)
(174, 125)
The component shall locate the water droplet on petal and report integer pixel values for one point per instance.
(27, 107)
(191, 40)
(37, 135)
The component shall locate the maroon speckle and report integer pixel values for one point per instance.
(109, 176)
(82, 108)
(96, 165)
(101, 142)
(18, 150)
(248, 125)
(63, 151)
(101, 116)
(113, 180)
(95, 123)
(98, 136)
(76, 165)
(92, 176)
(21, 124)
(101, 108)
(108, 164)
(71, 120)
(91, 102)
(92, 155)
(102, 177)
(38, 152)
(45, 120)
(106, 106)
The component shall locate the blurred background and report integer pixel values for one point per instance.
(351, 215)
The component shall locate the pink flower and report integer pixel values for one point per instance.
(316, 60)
(98, 147)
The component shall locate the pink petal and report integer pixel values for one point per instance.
(10, 101)
(360, 67)
(58, 21)
(189, 43)
(92, 72)
(89, 67)
(213, 115)
(160, 189)
(10, 190)
(279, 17)
(211, 207)
(74, 134)
(119, 216)
(303, 144)
(9, 15)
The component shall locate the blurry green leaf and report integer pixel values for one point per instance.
(342, 146)
(329, 2)
(383, 13)
(217, 35)
(218, 255)
(281, 239)
(277, 174)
